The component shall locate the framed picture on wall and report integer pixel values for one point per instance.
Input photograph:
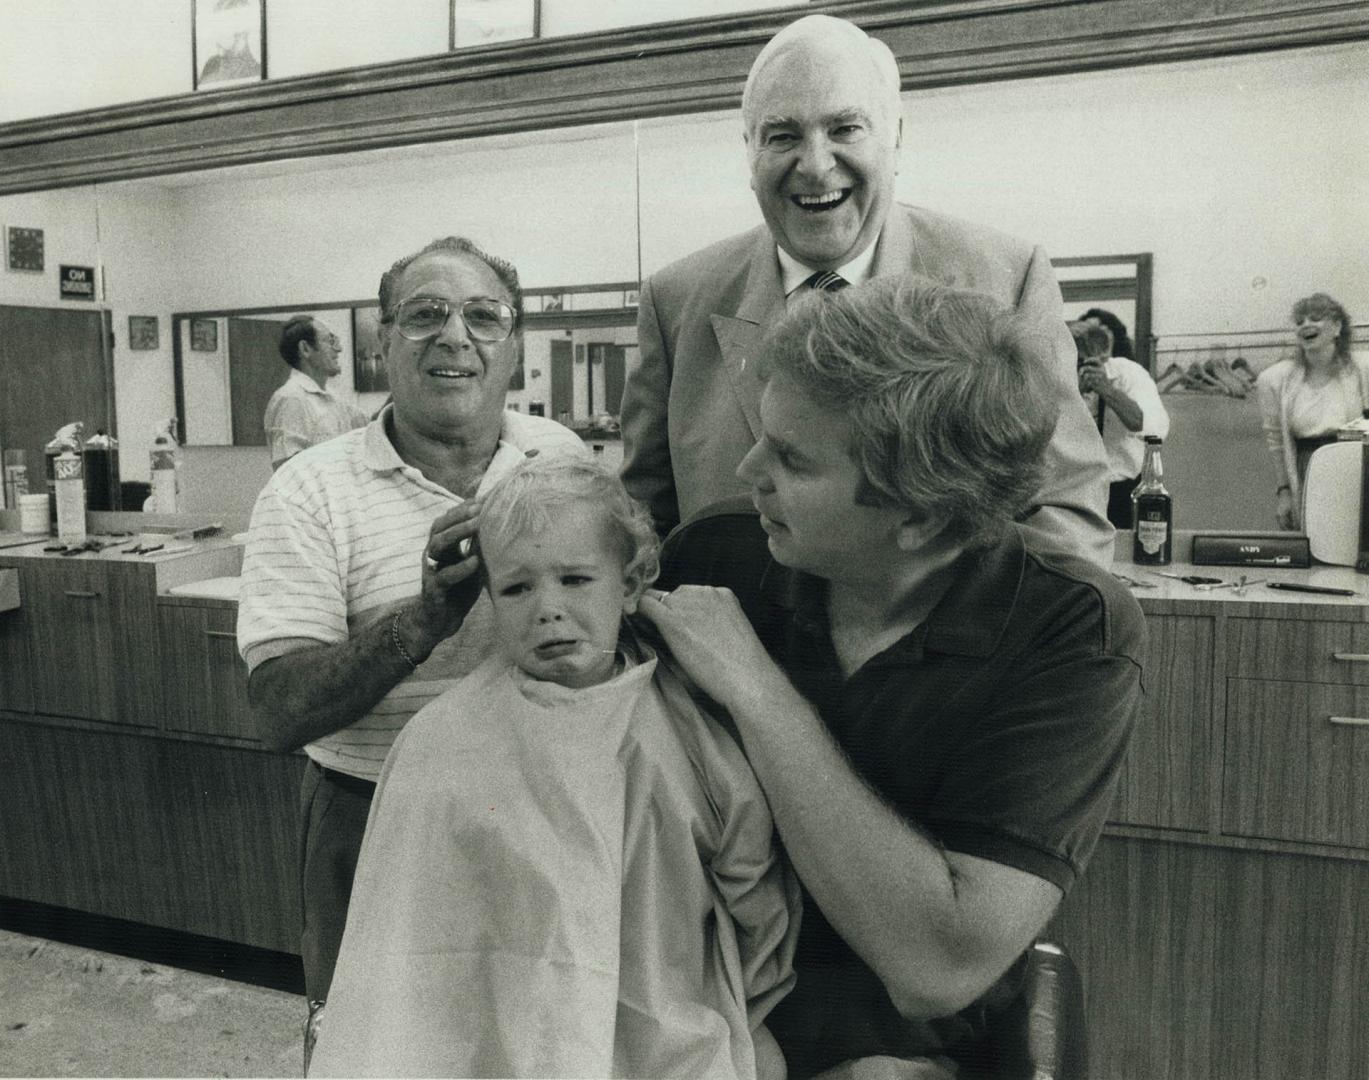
(204, 335)
(368, 369)
(142, 332)
(484, 22)
(228, 42)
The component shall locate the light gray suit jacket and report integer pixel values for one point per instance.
(690, 408)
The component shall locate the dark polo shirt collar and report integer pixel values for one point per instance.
(969, 620)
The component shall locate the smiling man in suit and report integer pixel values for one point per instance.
(823, 125)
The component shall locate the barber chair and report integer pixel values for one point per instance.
(1041, 1035)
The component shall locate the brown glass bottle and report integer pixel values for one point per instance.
(1152, 512)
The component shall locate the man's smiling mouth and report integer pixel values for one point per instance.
(451, 373)
(828, 200)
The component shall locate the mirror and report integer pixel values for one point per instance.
(578, 343)
(606, 204)
(241, 249)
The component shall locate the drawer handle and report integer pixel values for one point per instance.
(1350, 721)
(221, 633)
(81, 594)
(1352, 657)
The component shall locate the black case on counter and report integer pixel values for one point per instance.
(1292, 552)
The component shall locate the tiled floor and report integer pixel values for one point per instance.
(71, 1011)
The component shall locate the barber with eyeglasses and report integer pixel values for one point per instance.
(358, 604)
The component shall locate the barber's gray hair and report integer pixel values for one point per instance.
(540, 488)
(504, 270)
(949, 396)
(825, 29)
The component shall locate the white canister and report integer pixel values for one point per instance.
(33, 513)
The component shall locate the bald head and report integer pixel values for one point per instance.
(823, 119)
(819, 36)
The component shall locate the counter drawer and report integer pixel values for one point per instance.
(1323, 651)
(1295, 762)
(204, 679)
(1167, 777)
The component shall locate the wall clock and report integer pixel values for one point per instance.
(25, 248)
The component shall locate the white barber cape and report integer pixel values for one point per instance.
(561, 882)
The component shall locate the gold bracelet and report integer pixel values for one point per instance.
(399, 645)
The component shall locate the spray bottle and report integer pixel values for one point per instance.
(165, 471)
(67, 440)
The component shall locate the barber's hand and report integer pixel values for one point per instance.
(709, 635)
(451, 582)
(1093, 377)
(1286, 513)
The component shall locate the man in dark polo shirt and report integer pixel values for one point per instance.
(941, 726)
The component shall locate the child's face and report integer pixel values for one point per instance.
(559, 595)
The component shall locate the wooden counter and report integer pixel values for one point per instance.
(1222, 926)
(133, 785)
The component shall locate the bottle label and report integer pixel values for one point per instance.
(71, 509)
(163, 491)
(1151, 535)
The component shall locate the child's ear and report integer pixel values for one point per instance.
(633, 587)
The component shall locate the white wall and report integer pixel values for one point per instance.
(62, 56)
(66, 55)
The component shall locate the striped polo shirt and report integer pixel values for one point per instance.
(336, 543)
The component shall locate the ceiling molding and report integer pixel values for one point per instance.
(661, 70)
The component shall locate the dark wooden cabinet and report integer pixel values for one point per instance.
(115, 804)
(1167, 776)
(1221, 927)
(172, 833)
(204, 679)
(85, 636)
(16, 668)
(1296, 762)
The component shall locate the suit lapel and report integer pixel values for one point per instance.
(896, 252)
(739, 336)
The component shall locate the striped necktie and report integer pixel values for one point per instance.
(826, 280)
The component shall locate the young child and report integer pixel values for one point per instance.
(569, 868)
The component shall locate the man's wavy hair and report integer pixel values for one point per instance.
(1320, 305)
(540, 489)
(950, 397)
(504, 270)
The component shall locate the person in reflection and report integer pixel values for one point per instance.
(1126, 404)
(822, 125)
(569, 869)
(1121, 339)
(936, 706)
(301, 413)
(357, 604)
(1306, 398)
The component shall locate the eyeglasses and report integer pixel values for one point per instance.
(485, 320)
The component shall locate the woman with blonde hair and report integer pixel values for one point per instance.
(1305, 399)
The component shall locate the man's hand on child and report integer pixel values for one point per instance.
(708, 633)
(451, 582)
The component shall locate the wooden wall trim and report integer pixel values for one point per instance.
(667, 69)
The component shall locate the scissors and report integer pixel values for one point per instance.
(1207, 584)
